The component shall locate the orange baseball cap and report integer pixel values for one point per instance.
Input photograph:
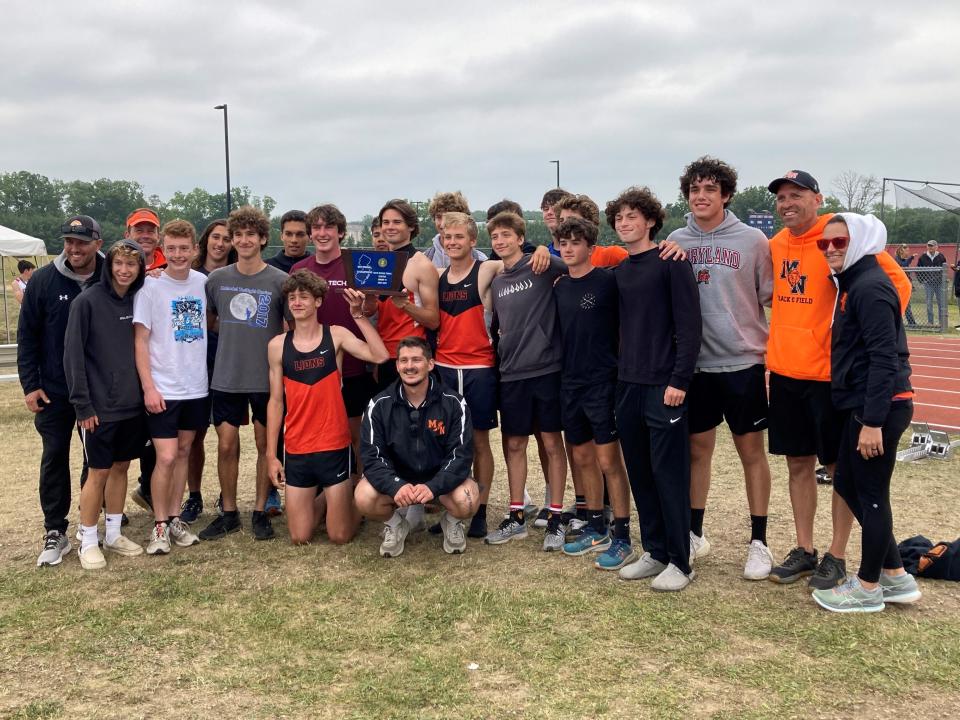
(142, 215)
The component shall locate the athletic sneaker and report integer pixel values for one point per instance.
(262, 527)
(454, 541)
(191, 509)
(798, 563)
(553, 538)
(618, 555)
(141, 499)
(181, 535)
(393, 539)
(508, 530)
(92, 558)
(699, 546)
(159, 540)
(587, 541)
(645, 567)
(273, 508)
(850, 597)
(672, 579)
(123, 546)
(478, 527)
(221, 526)
(823, 477)
(55, 546)
(902, 589)
(759, 561)
(829, 573)
(530, 510)
(541, 521)
(575, 528)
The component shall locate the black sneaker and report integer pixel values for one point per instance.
(798, 563)
(191, 509)
(221, 526)
(262, 527)
(478, 527)
(435, 529)
(829, 573)
(823, 477)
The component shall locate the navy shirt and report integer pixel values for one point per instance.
(590, 327)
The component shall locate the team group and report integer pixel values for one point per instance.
(620, 361)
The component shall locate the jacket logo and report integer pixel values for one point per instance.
(791, 273)
(843, 303)
(703, 277)
(437, 427)
(64, 297)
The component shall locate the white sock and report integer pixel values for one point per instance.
(394, 520)
(113, 527)
(415, 514)
(527, 500)
(88, 536)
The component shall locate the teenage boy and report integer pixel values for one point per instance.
(293, 235)
(170, 327)
(327, 227)
(40, 332)
(376, 236)
(530, 363)
(245, 305)
(443, 203)
(305, 379)
(547, 204)
(104, 391)
(731, 263)
(417, 448)
(511, 206)
(411, 314)
(587, 306)
(659, 343)
(581, 206)
(804, 425)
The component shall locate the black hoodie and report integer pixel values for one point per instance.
(98, 357)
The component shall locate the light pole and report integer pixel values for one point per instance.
(557, 163)
(226, 148)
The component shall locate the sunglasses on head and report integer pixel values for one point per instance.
(839, 243)
(69, 229)
(414, 422)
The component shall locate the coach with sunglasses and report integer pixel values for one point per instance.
(40, 333)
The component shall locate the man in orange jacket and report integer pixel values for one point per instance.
(804, 425)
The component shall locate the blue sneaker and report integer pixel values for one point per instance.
(273, 507)
(589, 540)
(619, 554)
(191, 509)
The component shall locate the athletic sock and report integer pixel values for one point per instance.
(696, 521)
(597, 523)
(481, 512)
(527, 500)
(758, 528)
(88, 536)
(621, 528)
(516, 512)
(195, 495)
(580, 505)
(553, 517)
(113, 528)
(415, 515)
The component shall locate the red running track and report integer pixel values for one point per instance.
(936, 380)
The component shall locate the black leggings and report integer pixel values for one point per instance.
(865, 486)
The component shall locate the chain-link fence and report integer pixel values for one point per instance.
(932, 295)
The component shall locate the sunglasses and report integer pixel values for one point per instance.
(839, 243)
(69, 229)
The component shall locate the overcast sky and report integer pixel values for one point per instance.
(355, 103)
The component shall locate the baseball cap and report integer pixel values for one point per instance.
(931, 243)
(797, 177)
(142, 215)
(81, 227)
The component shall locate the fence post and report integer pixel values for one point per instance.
(944, 299)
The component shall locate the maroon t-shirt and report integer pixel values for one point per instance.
(335, 309)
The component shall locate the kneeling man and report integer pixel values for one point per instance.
(416, 443)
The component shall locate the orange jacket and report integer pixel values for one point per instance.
(608, 255)
(803, 298)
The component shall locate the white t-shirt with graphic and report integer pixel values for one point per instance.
(175, 312)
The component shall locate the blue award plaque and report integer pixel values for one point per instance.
(376, 271)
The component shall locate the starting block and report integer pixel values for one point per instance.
(925, 443)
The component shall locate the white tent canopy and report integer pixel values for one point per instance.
(17, 244)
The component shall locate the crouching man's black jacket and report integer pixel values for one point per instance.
(430, 445)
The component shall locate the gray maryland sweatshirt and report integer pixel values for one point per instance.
(734, 274)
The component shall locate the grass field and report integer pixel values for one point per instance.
(243, 629)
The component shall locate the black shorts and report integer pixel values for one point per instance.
(803, 420)
(319, 469)
(531, 405)
(478, 386)
(112, 442)
(179, 415)
(739, 397)
(231, 407)
(588, 413)
(357, 391)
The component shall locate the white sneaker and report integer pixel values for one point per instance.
(159, 540)
(393, 539)
(645, 567)
(181, 535)
(454, 540)
(759, 561)
(123, 546)
(699, 546)
(92, 558)
(672, 579)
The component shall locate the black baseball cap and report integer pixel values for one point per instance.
(797, 177)
(81, 227)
